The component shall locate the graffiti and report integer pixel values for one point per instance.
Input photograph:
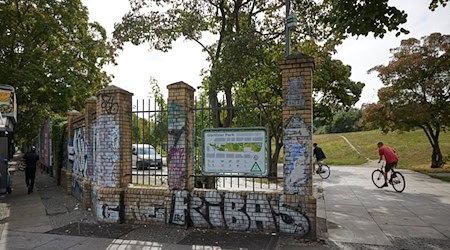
(146, 213)
(294, 95)
(106, 150)
(177, 162)
(179, 209)
(177, 134)
(176, 118)
(79, 153)
(297, 143)
(77, 188)
(109, 105)
(106, 211)
(238, 212)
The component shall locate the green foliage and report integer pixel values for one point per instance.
(417, 91)
(151, 127)
(53, 57)
(59, 125)
(357, 17)
(343, 121)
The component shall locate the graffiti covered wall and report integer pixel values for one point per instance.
(177, 150)
(213, 209)
(106, 150)
(297, 146)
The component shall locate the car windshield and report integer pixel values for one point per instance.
(146, 151)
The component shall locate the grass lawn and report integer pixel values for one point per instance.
(413, 148)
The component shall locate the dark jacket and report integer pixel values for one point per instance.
(30, 159)
(319, 154)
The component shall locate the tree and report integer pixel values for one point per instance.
(346, 121)
(417, 92)
(53, 57)
(360, 17)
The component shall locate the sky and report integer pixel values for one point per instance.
(137, 64)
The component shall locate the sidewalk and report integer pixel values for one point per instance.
(360, 216)
(49, 219)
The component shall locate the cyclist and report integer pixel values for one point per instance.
(320, 156)
(391, 158)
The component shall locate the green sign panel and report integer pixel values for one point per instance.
(240, 151)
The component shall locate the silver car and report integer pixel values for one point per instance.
(146, 157)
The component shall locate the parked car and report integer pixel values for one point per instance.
(145, 157)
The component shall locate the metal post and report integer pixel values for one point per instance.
(288, 34)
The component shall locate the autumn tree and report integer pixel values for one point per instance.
(53, 57)
(417, 92)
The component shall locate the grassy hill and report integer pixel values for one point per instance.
(413, 148)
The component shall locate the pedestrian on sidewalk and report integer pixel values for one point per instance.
(32, 162)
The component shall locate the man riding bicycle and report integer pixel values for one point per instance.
(320, 156)
(390, 157)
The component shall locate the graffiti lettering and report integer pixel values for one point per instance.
(109, 105)
(239, 212)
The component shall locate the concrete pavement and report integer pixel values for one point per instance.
(49, 219)
(354, 214)
(357, 213)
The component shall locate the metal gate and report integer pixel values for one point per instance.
(149, 144)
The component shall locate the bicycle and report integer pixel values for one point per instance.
(396, 179)
(323, 170)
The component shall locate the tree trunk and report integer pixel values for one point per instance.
(437, 160)
(273, 170)
(229, 99)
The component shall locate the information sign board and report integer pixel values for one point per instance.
(241, 151)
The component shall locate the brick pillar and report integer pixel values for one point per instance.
(68, 169)
(297, 72)
(112, 153)
(180, 125)
(112, 138)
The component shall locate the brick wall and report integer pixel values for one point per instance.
(107, 136)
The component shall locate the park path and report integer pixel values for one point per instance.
(356, 212)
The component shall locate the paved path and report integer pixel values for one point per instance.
(359, 213)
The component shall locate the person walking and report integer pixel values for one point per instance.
(32, 162)
(391, 158)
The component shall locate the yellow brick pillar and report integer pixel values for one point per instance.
(180, 125)
(112, 138)
(297, 77)
(112, 153)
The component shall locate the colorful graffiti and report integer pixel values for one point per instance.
(234, 211)
(177, 138)
(297, 144)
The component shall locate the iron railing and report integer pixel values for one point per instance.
(149, 142)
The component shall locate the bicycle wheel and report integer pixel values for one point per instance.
(325, 171)
(398, 181)
(378, 178)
